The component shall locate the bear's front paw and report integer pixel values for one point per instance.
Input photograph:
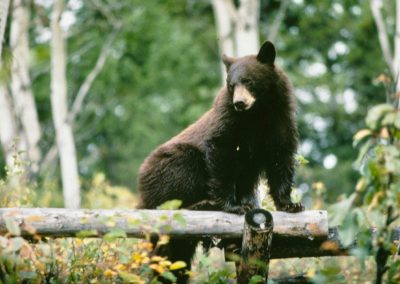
(207, 205)
(238, 209)
(290, 207)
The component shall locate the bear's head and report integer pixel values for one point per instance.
(251, 79)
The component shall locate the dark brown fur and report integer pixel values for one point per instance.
(216, 163)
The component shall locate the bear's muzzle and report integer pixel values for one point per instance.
(242, 98)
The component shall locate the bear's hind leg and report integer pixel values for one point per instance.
(174, 171)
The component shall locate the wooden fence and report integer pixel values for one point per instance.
(265, 234)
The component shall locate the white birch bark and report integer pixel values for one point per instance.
(392, 59)
(246, 32)
(273, 31)
(83, 91)
(3, 20)
(224, 26)
(24, 102)
(396, 62)
(375, 6)
(237, 28)
(64, 134)
(8, 128)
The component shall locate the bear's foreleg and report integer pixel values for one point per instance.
(280, 173)
(222, 184)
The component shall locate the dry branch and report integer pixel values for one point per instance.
(83, 91)
(272, 33)
(382, 33)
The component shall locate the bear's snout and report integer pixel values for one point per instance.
(242, 98)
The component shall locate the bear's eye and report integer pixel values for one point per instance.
(231, 86)
(247, 82)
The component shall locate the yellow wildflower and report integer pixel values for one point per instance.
(157, 268)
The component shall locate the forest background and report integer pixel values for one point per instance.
(162, 71)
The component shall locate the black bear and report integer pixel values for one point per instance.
(216, 163)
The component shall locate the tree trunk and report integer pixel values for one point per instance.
(83, 91)
(246, 28)
(59, 103)
(223, 21)
(396, 62)
(8, 127)
(3, 20)
(7, 122)
(237, 27)
(24, 102)
(272, 33)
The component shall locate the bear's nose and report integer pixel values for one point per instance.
(239, 105)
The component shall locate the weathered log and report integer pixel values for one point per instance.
(308, 229)
(256, 245)
(55, 222)
(304, 234)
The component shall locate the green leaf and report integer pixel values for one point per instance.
(178, 217)
(170, 205)
(389, 119)
(13, 227)
(256, 279)
(301, 160)
(339, 211)
(115, 234)
(397, 120)
(376, 114)
(360, 135)
(129, 277)
(348, 230)
(17, 243)
(169, 276)
(177, 265)
(362, 154)
(86, 233)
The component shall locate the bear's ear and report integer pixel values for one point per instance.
(267, 53)
(228, 61)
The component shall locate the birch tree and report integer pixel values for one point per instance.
(3, 20)
(23, 99)
(7, 128)
(64, 134)
(237, 27)
(392, 58)
(8, 121)
(85, 87)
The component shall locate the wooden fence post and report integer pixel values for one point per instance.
(256, 246)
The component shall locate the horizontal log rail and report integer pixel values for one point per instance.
(57, 222)
(303, 234)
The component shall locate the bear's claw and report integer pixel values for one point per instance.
(291, 207)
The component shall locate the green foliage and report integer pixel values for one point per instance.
(376, 200)
(15, 189)
(333, 99)
(114, 258)
(102, 194)
(170, 205)
(211, 268)
(162, 73)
